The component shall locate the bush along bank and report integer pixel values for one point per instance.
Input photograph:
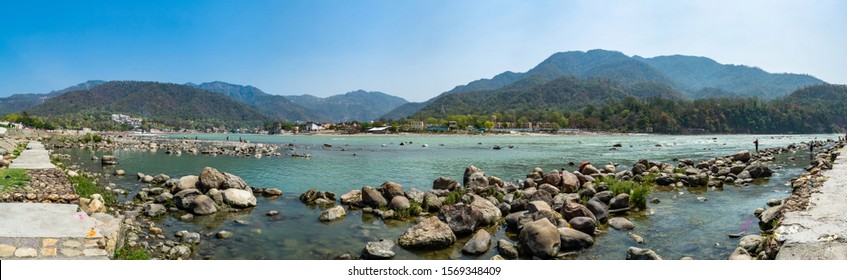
(766, 245)
(555, 213)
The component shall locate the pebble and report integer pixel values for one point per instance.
(270, 213)
(223, 234)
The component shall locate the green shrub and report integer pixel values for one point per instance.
(91, 137)
(638, 192)
(85, 187)
(127, 253)
(454, 196)
(414, 210)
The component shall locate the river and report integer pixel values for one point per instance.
(679, 226)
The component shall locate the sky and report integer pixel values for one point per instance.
(412, 49)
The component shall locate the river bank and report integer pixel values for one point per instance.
(171, 224)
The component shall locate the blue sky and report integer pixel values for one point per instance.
(412, 49)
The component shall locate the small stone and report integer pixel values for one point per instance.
(156, 230)
(186, 217)
(638, 239)
(701, 199)
(6, 250)
(272, 213)
(621, 224)
(734, 235)
(223, 234)
(26, 253)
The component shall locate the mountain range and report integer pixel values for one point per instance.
(564, 81)
(693, 77)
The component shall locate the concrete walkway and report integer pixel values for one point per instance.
(820, 232)
(33, 157)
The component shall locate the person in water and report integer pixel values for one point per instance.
(757, 145)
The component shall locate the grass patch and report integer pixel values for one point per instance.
(19, 149)
(679, 170)
(413, 211)
(454, 196)
(638, 192)
(85, 187)
(127, 253)
(13, 178)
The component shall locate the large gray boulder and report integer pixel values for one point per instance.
(758, 170)
(599, 209)
(399, 203)
(445, 183)
(583, 224)
(619, 203)
(573, 240)
(572, 210)
(332, 214)
(490, 213)
(352, 197)
(233, 182)
(570, 182)
(479, 243)
(506, 249)
(153, 210)
(239, 198)
(391, 189)
(202, 205)
(186, 182)
(539, 239)
(619, 223)
(371, 197)
(743, 156)
(378, 250)
(753, 244)
(468, 171)
(210, 178)
(429, 233)
(461, 218)
(183, 198)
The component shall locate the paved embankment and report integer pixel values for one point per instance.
(33, 157)
(51, 230)
(819, 232)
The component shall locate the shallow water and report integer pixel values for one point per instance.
(679, 226)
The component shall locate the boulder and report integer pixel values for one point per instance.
(186, 182)
(147, 179)
(736, 169)
(769, 217)
(445, 183)
(152, 210)
(589, 170)
(570, 182)
(635, 253)
(461, 218)
(506, 249)
(399, 203)
(490, 213)
(604, 196)
(183, 198)
(619, 202)
(572, 240)
(319, 197)
(549, 189)
(759, 170)
(610, 169)
(239, 198)
(479, 243)
(477, 180)
(235, 182)
(583, 224)
(202, 205)
(572, 210)
(390, 189)
(753, 244)
(160, 179)
(429, 233)
(378, 250)
(352, 197)
(740, 255)
(619, 223)
(431, 202)
(553, 178)
(539, 239)
(332, 214)
(210, 178)
(415, 195)
(742, 156)
(517, 220)
(599, 209)
(120, 172)
(535, 206)
(371, 197)
(468, 171)
(639, 168)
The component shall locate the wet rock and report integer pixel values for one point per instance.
(202, 205)
(352, 197)
(153, 210)
(180, 252)
(399, 203)
(572, 210)
(635, 237)
(599, 209)
(759, 170)
(635, 253)
(740, 255)
(120, 172)
(619, 223)
(239, 198)
(619, 203)
(332, 214)
(184, 198)
(583, 224)
(391, 189)
(774, 202)
(573, 240)
(313, 196)
(445, 183)
(506, 249)
(479, 243)
(223, 234)
(147, 179)
(272, 213)
(461, 218)
(160, 179)
(429, 233)
(109, 160)
(539, 239)
(186, 217)
(190, 238)
(372, 197)
(378, 250)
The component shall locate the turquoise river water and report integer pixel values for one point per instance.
(677, 227)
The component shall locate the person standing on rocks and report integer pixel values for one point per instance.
(757, 145)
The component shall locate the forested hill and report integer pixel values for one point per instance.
(274, 106)
(22, 102)
(357, 105)
(162, 103)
